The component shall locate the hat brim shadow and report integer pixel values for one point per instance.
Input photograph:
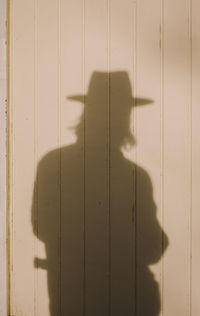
(135, 101)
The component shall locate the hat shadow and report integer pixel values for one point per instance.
(99, 226)
(122, 86)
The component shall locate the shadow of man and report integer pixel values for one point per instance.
(94, 211)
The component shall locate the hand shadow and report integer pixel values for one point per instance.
(96, 214)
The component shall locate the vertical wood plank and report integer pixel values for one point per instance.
(3, 159)
(96, 159)
(22, 156)
(177, 157)
(47, 188)
(195, 233)
(121, 169)
(72, 158)
(149, 231)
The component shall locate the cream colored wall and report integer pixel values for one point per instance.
(3, 158)
(110, 234)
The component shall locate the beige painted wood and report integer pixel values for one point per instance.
(3, 159)
(177, 103)
(96, 157)
(46, 200)
(22, 157)
(195, 171)
(122, 177)
(150, 234)
(72, 157)
(104, 146)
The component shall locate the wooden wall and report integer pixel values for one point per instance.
(3, 159)
(104, 157)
